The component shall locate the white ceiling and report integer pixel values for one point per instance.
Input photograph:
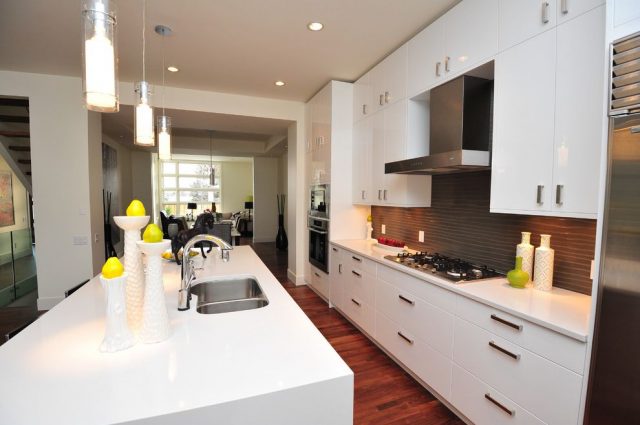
(234, 46)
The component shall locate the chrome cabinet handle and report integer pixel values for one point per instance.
(545, 12)
(446, 63)
(356, 273)
(504, 350)
(379, 195)
(320, 232)
(564, 6)
(355, 302)
(359, 260)
(559, 188)
(364, 109)
(363, 194)
(438, 68)
(409, 340)
(387, 96)
(334, 249)
(384, 194)
(381, 100)
(506, 322)
(502, 407)
(539, 194)
(340, 268)
(317, 275)
(407, 300)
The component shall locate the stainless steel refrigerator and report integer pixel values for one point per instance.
(614, 383)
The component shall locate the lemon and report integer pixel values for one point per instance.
(135, 208)
(112, 268)
(369, 219)
(167, 255)
(152, 234)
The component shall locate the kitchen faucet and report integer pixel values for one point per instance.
(188, 275)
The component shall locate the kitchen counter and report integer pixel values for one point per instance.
(563, 311)
(269, 365)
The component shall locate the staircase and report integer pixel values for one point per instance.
(15, 146)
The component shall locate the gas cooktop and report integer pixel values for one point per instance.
(455, 270)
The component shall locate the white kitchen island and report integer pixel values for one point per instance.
(264, 366)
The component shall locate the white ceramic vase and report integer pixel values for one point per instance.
(155, 320)
(133, 265)
(543, 268)
(525, 250)
(369, 231)
(117, 335)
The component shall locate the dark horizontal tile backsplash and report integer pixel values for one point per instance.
(459, 224)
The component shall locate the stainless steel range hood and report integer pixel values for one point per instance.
(460, 130)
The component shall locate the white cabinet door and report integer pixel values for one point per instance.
(362, 97)
(336, 277)
(524, 97)
(378, 86)
(426, 55)
(579, 111)
(623, 18)
(377, 157)
(569, 9)
(395, 68)
(362, 157)
(520, 20)
(470, 34)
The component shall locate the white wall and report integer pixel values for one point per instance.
(237, 184)
(141, 187)
(21, 243)
(265, 186)
(60, 167)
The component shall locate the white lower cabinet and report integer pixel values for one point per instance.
(336, 277)
(320, 282)
(427, 363)
(547, 390)
(359, 311)
(483, 404)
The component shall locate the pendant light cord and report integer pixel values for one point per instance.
(163, 37)
(144, 14)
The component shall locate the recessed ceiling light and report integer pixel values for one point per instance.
(279, 83)
(315, 26)
(172, 69)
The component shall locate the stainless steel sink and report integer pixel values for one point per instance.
(228, 294)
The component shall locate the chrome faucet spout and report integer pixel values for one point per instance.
(188, 275)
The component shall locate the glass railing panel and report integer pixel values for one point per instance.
(24, 262)
(7, 289)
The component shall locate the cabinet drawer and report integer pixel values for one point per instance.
(433, 294)
(547, 390)
(483, 404)
(359, 262)
(361, 284)
(320, 282)
(359, 311)
(428, 364)
(428, 323)
(558, 348)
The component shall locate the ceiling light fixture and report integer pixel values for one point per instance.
(143, 113)
(315, 26)
(164, 122)
(99, 79)
(172, 69)
(279, 83)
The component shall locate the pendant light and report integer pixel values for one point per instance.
(164, 122)
(99, 79)
(212, 171)
(143, 112)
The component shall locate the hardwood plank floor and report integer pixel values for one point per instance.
(384, 393)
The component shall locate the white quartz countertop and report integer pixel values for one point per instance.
(563, 311)
(52, 372)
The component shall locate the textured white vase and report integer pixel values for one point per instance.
(155, 320)
(525, 250)
(369, 231)
(543, 269)
(117, 335)
(133, 265)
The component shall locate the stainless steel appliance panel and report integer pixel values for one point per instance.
(319, 242)
(319, 200)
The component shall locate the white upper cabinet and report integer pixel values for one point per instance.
(470, 34)
(579, 111)
(520, 20)
(362, 97)
(623, 18)
(522, 158)
(362, 158)
(426, 57)
(389, 79)
(569, 9)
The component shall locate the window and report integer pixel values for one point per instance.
(182, 182)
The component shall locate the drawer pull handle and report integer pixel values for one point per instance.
(355, 302)
(356, 273)
(359, 260)
(504, 351)
(401, 335)
(539, 194)
(501, 406)
(545, 12)
(317, 275)
(407, 300)
(334, 249)
(506, 322)
(340, 268)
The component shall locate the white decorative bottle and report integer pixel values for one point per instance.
(117, 335)
(155, 320)
(543, 270)
(525, 250)
(133, 265)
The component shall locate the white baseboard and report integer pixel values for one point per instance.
(297, 279)
(48, 303)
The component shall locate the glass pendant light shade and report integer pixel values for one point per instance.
(212, 177)
(164, 137)
(144, 135)
(99, 79)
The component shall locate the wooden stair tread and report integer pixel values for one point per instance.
(20, 148)
(9, 133)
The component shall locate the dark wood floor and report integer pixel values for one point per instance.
(384, 393)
